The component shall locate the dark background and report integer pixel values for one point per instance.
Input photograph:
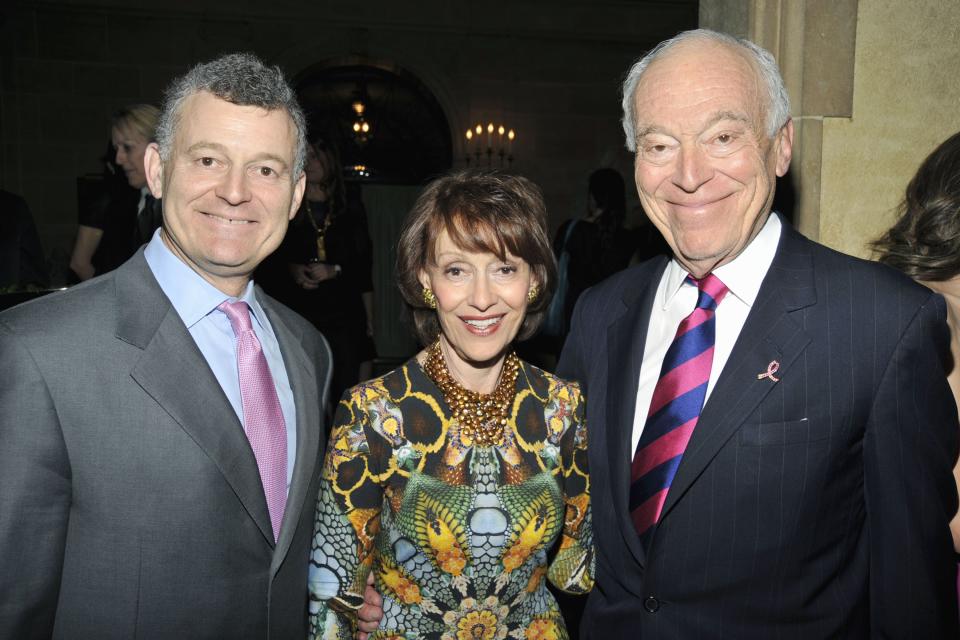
(550, 69)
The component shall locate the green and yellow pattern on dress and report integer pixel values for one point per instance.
(457, 535)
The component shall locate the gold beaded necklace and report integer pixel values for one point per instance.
(321, 231)
(482, 416)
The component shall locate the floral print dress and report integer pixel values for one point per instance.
(457, 535)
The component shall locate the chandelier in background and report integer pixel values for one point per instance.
(496, 148)
(362, 131)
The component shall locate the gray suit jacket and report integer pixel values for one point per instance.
(130, 501)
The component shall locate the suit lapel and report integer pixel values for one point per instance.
(626, 338)
(769, 334)
(301, 373)
(200, 407)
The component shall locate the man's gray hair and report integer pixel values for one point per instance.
(242, 79)
(778, 103)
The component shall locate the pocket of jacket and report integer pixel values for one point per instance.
(782, 433)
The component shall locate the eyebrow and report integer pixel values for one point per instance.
(719, 116)
(648, 129)
(727, 115)
(216, 146)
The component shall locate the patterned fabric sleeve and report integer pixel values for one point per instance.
(346, 522)
(572, 570)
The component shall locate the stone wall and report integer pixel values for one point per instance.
(873, 89)
(906, 100)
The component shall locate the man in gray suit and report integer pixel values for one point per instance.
(131, 495)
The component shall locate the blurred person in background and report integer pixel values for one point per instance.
(124, 217)
(589, 249)
(22, 262)
(323, 269)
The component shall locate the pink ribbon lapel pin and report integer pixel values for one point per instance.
(772, 368)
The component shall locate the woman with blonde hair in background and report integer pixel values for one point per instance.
(115, 226)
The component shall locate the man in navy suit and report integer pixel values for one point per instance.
(813, 497)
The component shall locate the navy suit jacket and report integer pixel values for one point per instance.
(816, 506)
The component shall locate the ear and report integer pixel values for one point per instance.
(298, 190)
(534, 280)
(784, 147)
(153, 168)
(424, 279)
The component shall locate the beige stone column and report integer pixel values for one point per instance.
(814, 43)
(906, 101)
(874, 89)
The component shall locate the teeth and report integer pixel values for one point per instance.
(228, 220)
(482, 324)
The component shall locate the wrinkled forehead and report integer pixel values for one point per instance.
(205, 117)
(695, 83)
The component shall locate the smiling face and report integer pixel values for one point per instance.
(228, 190)
(481, 303)
(705, 168)
(130, 147)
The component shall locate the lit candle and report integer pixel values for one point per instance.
(510, 136)
(466, 146)
(490, 136)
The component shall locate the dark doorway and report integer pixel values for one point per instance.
(408, 138)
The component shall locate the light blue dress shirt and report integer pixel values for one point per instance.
(196, 302)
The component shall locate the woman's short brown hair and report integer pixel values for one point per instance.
(924, 243)
(480, 211)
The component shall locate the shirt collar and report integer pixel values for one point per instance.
(744, 274)
(192, 296)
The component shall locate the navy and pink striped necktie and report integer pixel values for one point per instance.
(675, 407)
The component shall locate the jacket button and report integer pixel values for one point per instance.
(651, 604)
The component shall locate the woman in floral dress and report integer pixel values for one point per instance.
(452, 477)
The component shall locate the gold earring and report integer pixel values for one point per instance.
(533, 293)
(429, 299)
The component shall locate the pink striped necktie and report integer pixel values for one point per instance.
(262, 416)
(675, 407)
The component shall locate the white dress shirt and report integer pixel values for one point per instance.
(676, 298)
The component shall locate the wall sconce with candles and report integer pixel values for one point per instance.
(499, 144)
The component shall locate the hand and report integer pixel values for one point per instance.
(371, 612)
(321, 271)
(303, 276)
